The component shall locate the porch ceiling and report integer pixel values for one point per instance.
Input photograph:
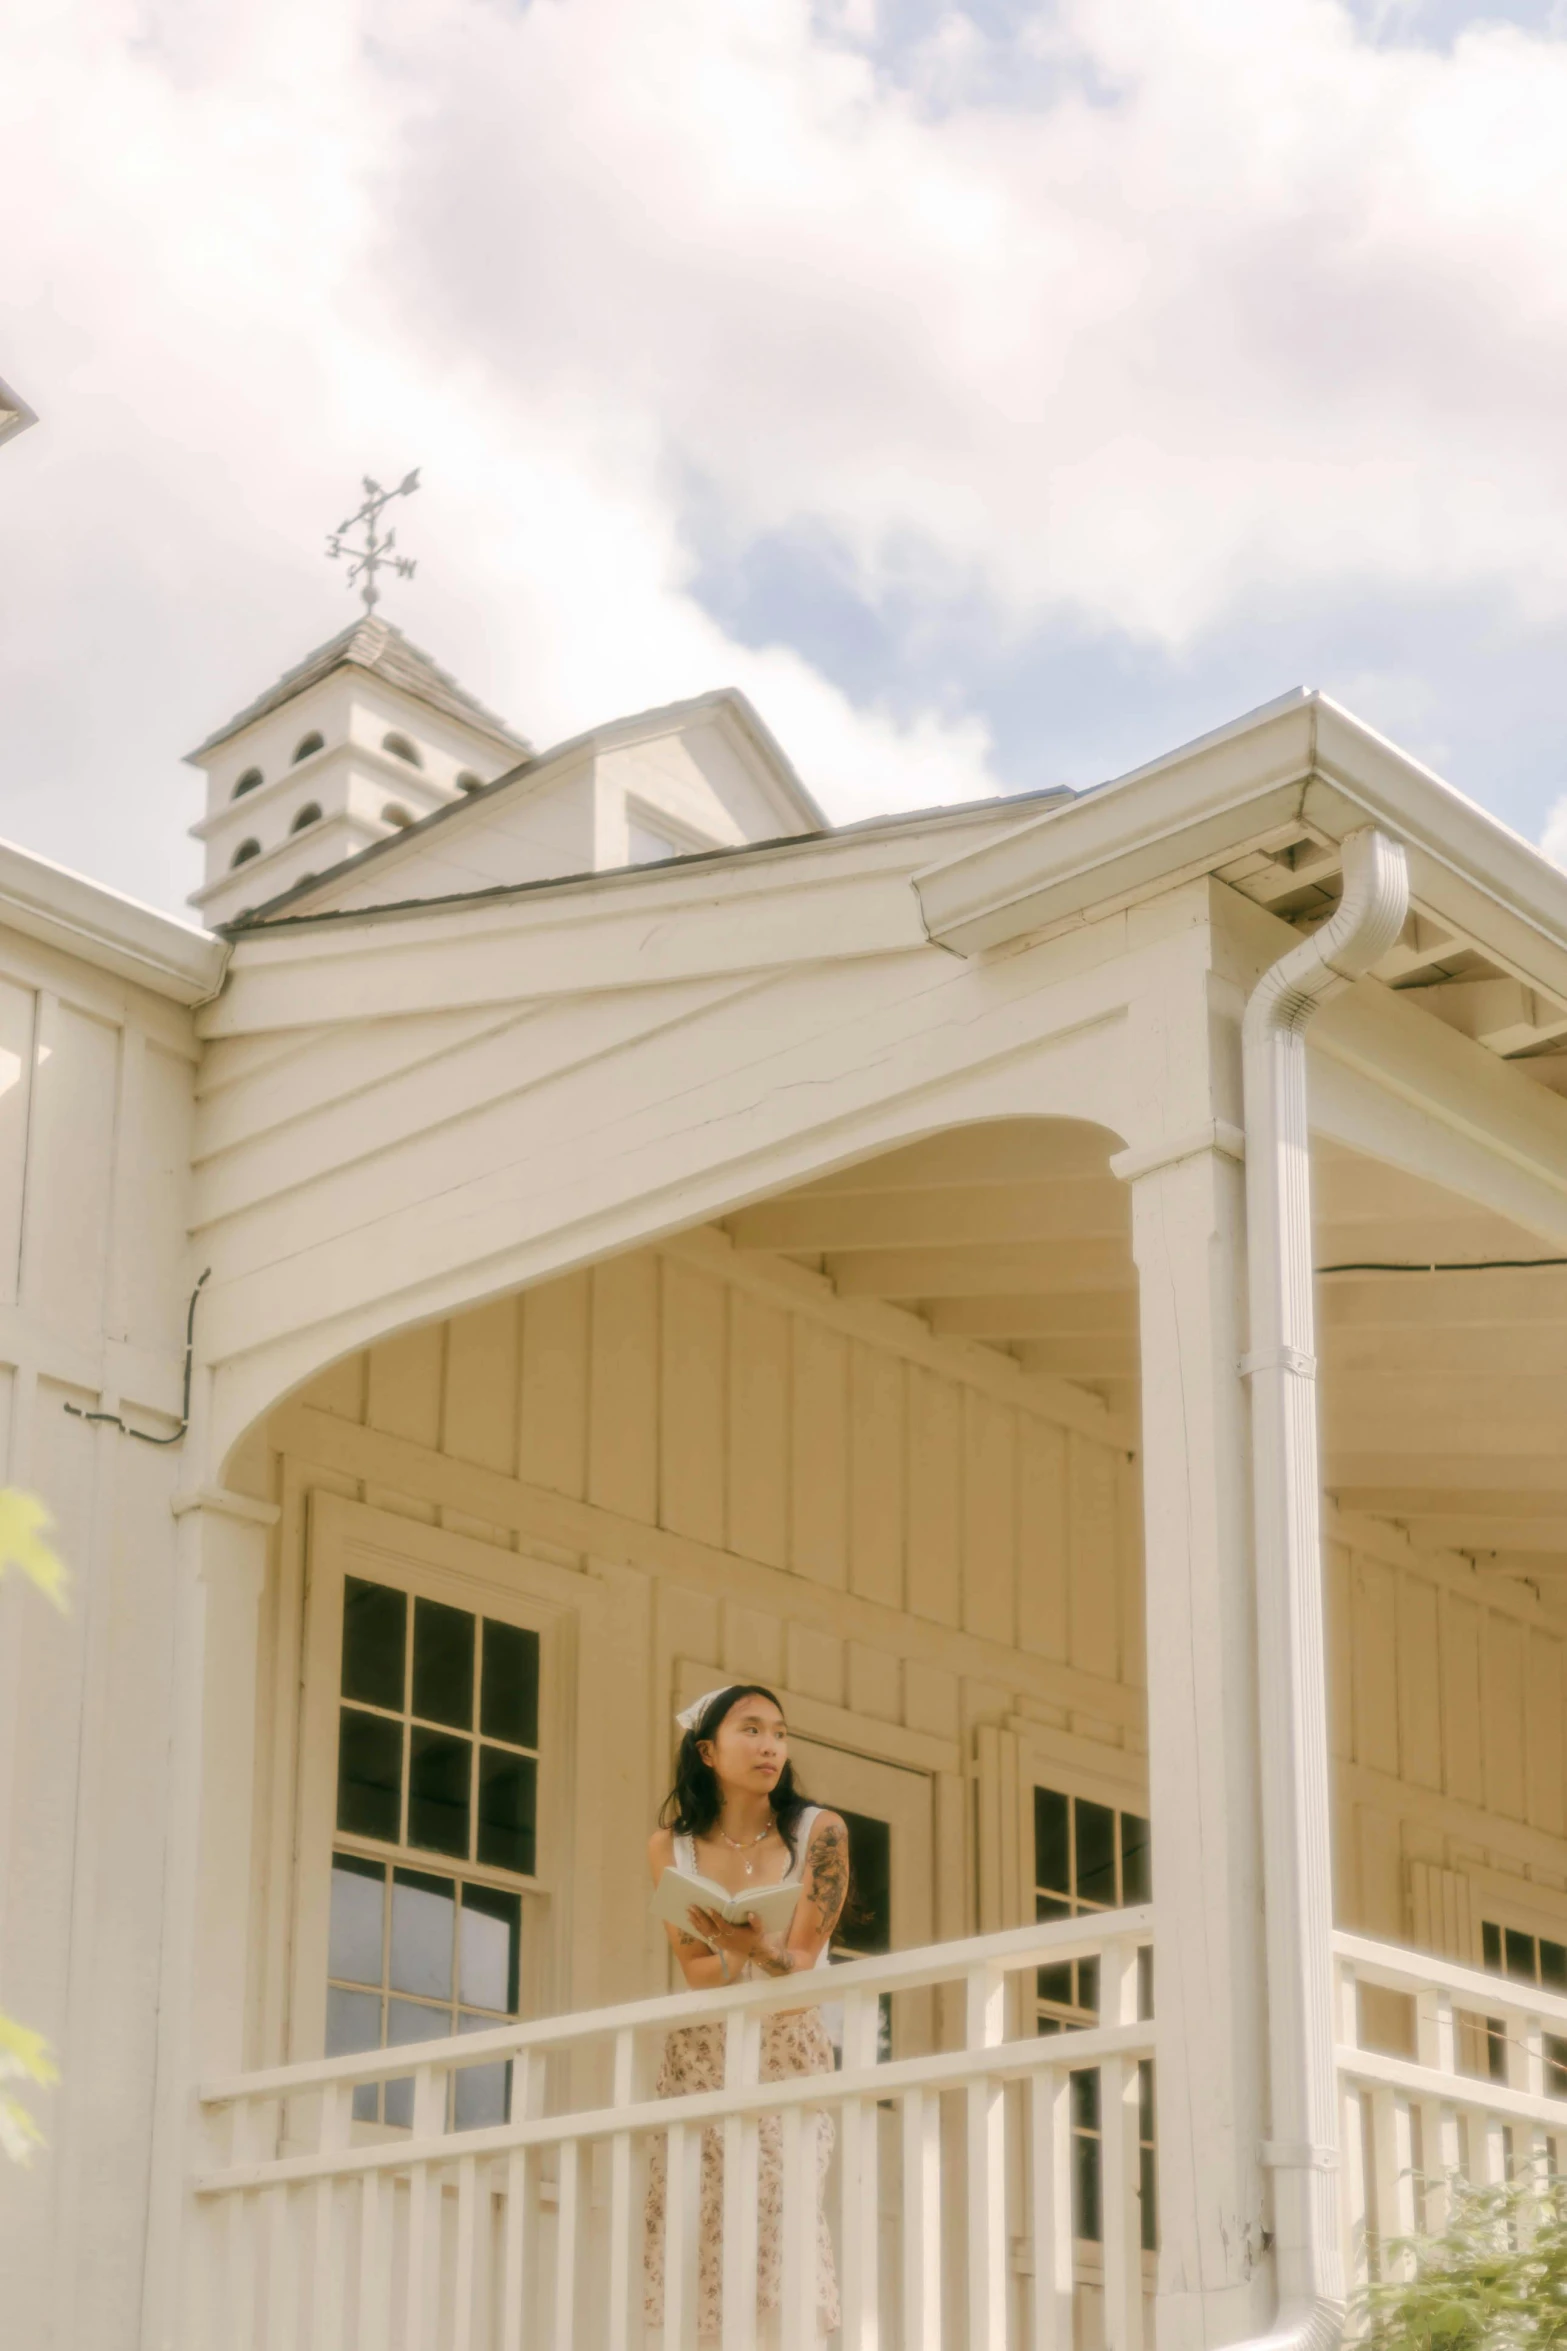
(1441, 1391)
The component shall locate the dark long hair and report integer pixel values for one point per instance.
(694, 1804)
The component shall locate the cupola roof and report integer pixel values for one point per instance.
(374, 645)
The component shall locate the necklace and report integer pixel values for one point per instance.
(747, 1844)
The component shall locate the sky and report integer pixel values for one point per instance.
(1000, 393)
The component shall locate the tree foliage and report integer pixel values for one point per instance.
(25, 1528)
(1493, 2279)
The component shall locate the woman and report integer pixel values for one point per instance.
(735, 1815)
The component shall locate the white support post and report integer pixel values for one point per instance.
(860, 2262)
(1188, 1228)
(1050, 2180)
(985, 2022)
(742, 2062)
(205, 1973)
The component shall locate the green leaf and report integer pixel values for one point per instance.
(24, 1525)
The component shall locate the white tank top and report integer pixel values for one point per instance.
(685, 1858)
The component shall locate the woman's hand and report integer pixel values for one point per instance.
(739, 1939)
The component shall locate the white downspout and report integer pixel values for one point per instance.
(1286, 1471)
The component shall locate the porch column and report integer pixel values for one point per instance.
(1188, 1238)
(222, 1554)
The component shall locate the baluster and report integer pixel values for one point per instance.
(984, 2026)
(860, 2282)
(622, 2269)
(568, 2207)
(424, 2247)
(1436, 2043)
(462, 2330)
(797, 2285)
(742, 2067)
(519, 2234)
(1050, 2166)
(282, 2269)
(921, 2221)
(1392, 2175)
(1119, 2111)
(326, 2294)
(1535, 2146)
(376, 2203)
(682, 2200)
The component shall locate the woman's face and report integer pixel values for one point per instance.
(749, 1749)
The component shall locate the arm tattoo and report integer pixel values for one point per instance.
(775, 1962)
(827, 1873)
(687, 1942)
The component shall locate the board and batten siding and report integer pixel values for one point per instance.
(1447, 1693)
(96, 1080)
(899, 1533)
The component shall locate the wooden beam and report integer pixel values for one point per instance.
(1461, 1300)
(1531, 1564)
(1392, 1485)
(1055, 1314)
(1477, 1532)
(1072, 1208)
(994, 1151)
(983, 1271)
(1473, 1353)
(1106, 1357)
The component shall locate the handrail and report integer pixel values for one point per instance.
(1011, 1951)
(944, 2069)
(1393, 1968)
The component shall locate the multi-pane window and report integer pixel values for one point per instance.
(437, 1760)
(1087, 1857)
(1528, 1959)
(865, 1929)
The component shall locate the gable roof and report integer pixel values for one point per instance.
(725, 703)
(382, 650)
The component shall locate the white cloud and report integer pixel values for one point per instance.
(1242, 301)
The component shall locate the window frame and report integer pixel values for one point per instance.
(351, 1539)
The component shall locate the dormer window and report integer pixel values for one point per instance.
(244, 853)
(308, 744)
(400, 748)
(647, 846)
(394, 814)
(308, 815)
(248, 781)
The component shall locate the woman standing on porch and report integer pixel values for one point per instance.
(736, 1816)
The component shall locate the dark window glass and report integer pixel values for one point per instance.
(1553, 1966)
(1496, 2048)
(1136, 1872)
(1147, 2194)
(1055, 1984)
(479, 2091)
(369, 1775)
(1520, 1956)
(509, 1687)
(1555, 2066)
(424, 1929)
(1052, 1906)
(1145, 1983)
(1085, 2157)
(1095, 1854)
(508, 1798)
(375, 1621)
(1052, 1841)
(358, 1919)
(443, 1664)
(490, 1936)
(865, 1928)
(439, 1766)
(1491, 1945)
(1088, 1984)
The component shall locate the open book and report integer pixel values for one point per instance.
(678, 1893)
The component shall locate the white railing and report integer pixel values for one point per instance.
(955, 2199)
(1477, 2090)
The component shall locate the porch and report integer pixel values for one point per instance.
(992, 2186)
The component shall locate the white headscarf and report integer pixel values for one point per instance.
(690, 1716)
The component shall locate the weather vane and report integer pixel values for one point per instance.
(376, 553)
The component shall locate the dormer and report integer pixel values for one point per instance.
(681, 781)
(358, 744)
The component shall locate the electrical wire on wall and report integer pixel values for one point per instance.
(113, 1419)
(1457, 1265)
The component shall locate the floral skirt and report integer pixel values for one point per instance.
(694, 2061)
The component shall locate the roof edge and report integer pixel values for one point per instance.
(65, 910)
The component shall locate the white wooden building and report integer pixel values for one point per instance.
(820, 1257)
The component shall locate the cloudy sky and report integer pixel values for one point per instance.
(1000, 391)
